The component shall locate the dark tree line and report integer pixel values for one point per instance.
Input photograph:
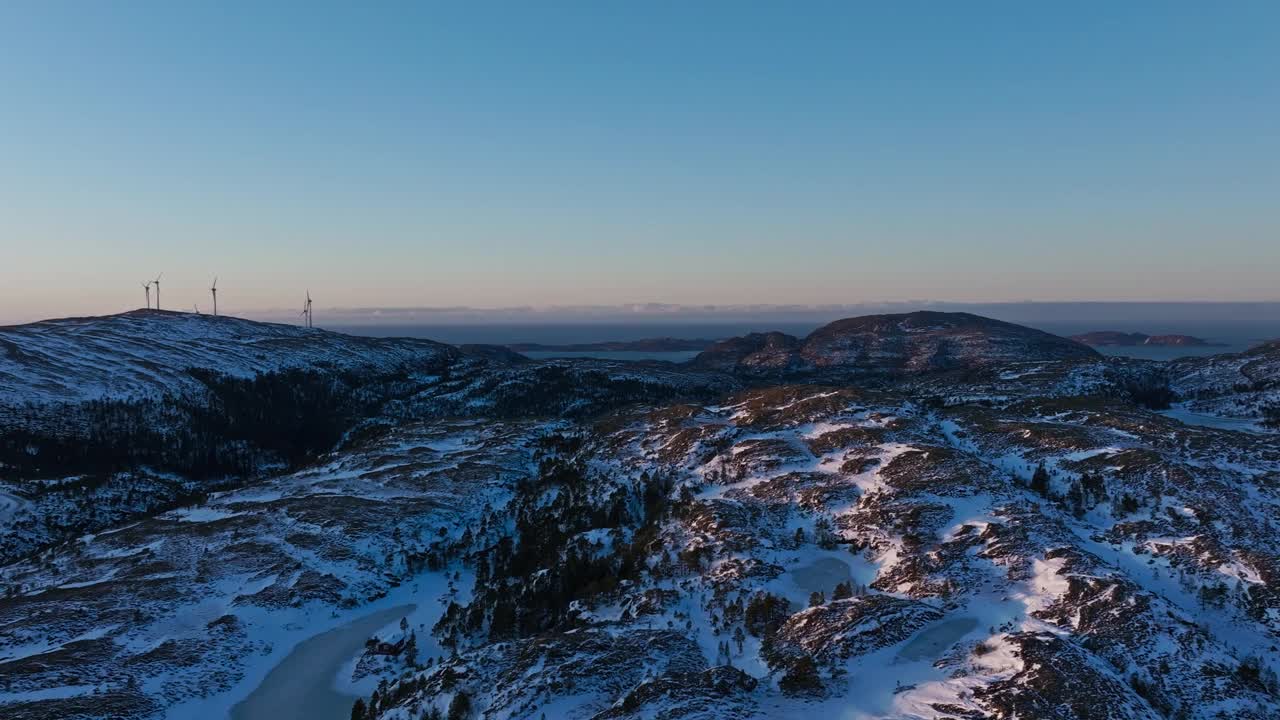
(237, 426)
(124, 458)
(527, 581)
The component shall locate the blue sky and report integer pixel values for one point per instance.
(494, 154)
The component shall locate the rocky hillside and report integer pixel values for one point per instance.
(1243, 385)
(784, 551)
(105, 419)
(891, 345)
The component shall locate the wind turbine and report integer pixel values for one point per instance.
(146, 287)
(306, 309)
(157, 284)
(214, 290)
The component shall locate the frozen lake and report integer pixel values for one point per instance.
(1188, 417)
(822, 575)
(934, 640)
(301, 687)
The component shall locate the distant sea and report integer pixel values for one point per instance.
(1230, 339)
(1234, 338)
(570, 333)
(674, 356)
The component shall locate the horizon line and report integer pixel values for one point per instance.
(658, 311)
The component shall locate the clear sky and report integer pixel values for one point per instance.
(534, 153)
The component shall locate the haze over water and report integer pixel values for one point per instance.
(1229, 327)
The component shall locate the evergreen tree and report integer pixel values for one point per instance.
(842, 591)
(827, 539)
(460, 707)
(801, 677)
(411, 649)
(1040, 480)
(765, 613)
(1128, 505)
(1075, 500)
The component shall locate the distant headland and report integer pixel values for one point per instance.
(1114, 338)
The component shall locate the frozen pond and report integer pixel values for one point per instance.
(9, 505)
(934, 640)
(301, 686)
(822, 575)
(1188, 417)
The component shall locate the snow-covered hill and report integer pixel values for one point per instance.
(147, 353)
(1240, 385)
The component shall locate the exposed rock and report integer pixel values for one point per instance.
(712, 694)
(842, 629)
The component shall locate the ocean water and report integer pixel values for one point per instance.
(567, 333)
(1233, 337)
(672, 356)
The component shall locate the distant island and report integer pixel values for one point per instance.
(1105, 338)
(665, 344)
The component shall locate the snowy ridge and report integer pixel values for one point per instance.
(146, 353)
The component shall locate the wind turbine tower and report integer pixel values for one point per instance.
(213, 289)
(157, 284)
(306, 310)
(146, 287)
